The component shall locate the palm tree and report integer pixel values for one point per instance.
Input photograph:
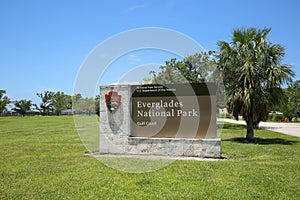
(252, 74)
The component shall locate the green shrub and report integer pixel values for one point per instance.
(277, 117)
(295, 119)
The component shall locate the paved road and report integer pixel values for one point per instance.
(285, 128)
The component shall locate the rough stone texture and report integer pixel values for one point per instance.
(115, 134)
(114, 141)
(176, 146)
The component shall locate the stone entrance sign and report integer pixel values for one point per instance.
(172, 120)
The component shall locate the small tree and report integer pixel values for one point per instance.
(46, 105)
(83, 105)
(60, 101)
(168, 74)
(253, 75)
(4, 100)
(22, 106)
(291, 104)
(196, 68)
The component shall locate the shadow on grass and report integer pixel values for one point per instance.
(263, 141)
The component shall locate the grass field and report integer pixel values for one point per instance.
(43, 158)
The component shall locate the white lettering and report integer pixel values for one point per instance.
(187, 113)
(140, 113)
(139, 104)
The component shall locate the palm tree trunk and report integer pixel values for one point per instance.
(250, 130)
(250, 122)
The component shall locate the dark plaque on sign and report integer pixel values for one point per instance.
(174, 110)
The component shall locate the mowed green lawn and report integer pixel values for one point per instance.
(43, 158)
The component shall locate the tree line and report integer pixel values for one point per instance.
(52, 103)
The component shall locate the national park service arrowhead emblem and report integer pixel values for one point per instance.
(113, 101)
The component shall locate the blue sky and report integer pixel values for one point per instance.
(43, 43)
